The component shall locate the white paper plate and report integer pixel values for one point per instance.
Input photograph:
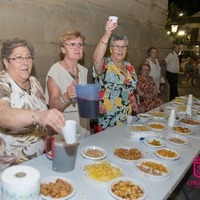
(150, 171)
(128, 160)
(105, 171)
(49, 179)
(167, 157)
(152, 142)
(183, 130)
(144, 116)
(133, 181)
(163, 126)
(93, 148)
(176, 139)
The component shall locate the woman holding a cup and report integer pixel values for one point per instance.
(63, 77)
(117, 79)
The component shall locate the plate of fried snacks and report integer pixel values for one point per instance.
(127, 153)
(168, 154)
(152, 168)
(157, 115)
(102, 172)
(176, 139)
(93, 152)
(127, 188)
(139, 127)
(154, 142)
(182, 130)
(157, 126)
(190, 122)
(56, 188)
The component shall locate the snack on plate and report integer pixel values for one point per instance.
(181, 129)
(139, 128)
(56, 189)
(155, 142)
(95, 153)
(127, 189)
(103, 171)
(158, 114)
(153, 168)
(167, 153)
(177, 140)
(156, 125)
(128, 154)
(190, 121)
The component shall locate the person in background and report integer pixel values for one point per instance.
(63, 76)
(117, 79)
(171, 62)
(147, 90)
(24, 115)
(155, 71)
(189, 72)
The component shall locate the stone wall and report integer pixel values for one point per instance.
(43, 21)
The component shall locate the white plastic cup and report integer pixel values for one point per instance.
(69, 131)
(171, 121)
(189, 110)
(114, 19)
(190, 99)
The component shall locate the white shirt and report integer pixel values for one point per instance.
(172, 62)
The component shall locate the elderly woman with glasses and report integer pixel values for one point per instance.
(117, 79)
(24, 116)
(153, 62)
(63, 77)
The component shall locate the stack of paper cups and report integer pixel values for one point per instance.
(190, 99)
(171, 121)
(189, 109)
(20, 182)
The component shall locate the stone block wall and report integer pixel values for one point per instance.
(43, 21)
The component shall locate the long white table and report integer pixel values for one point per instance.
(157, 188)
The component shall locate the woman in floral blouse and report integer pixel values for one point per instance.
(24, 114)
(117, 79)
(147, 90)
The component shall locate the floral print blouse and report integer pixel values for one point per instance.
(19, 145)
(116, 94)
(149, 99)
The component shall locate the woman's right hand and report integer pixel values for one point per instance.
(52, 117)
(110, 27)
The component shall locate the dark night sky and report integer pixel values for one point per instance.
(190, 6)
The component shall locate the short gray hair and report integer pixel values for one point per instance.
(116, 37)
(9, 45)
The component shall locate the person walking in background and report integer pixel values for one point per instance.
(117, 79)
(153, 62)
(24, 118)
(147, 90)
(172, 68)
(64, 75)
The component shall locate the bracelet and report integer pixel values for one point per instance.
(63, 100)
(103, 42)
(33, 119)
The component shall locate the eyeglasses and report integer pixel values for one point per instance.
(20, 59)
(120, 47)
(153, 52)
(74, 45)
